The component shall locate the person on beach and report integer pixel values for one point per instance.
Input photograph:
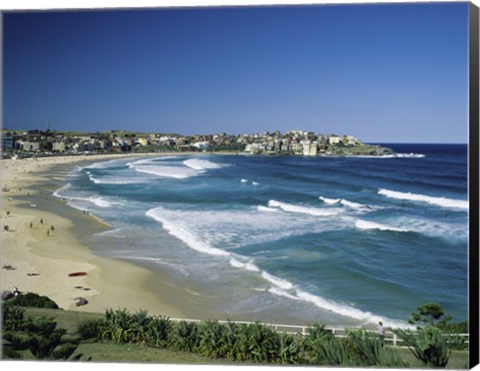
(381, 332)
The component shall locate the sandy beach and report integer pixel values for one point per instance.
(42, 246)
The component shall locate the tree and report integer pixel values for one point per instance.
(39, 335)
(433, 341)
(430, 314)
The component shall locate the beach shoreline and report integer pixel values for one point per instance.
(41, 257)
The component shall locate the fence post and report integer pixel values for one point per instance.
(394, 340)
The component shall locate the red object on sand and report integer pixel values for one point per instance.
(76, 274)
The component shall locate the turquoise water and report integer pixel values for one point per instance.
(338, 240)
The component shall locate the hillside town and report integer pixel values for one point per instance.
(300, 143)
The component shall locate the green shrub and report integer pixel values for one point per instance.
(289, 349)
(42, 337)
(90, 329)
(428, 344)
(13, 317)
(210, 339)
(184, 336)
(158, 331)
(32, 300)
(258, 343)
(369, 350)
(117, 326)
(312, 343)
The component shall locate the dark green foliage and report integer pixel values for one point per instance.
(253, 343)
(184, 336)
(259, 343)
(457, 328)
(117, 326)
(430, 314)
(13, 317)
(18, 341)
(289, 349)
(158, 331)
(211, 339)
(335, 352)
(64, 351)
(366, 347)
(122, 327)
(32, 300)
(42, 337)
(369, 351)
(314, 341)
(90, 329)
(428, 344)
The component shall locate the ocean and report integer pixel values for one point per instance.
(343, 241)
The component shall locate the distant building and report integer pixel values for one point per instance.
(30, 146)
(8, 143)
(201, 146)
(142, 141)
(334, 139)
(58, 147)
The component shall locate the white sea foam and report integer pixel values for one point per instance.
(244, 180)
(342, 309)
(330, 201)
(249, 266)
(279, 282)
(353, 205)
(409, 155)
(393, 155)
(105, 164)
(183, 234)
(255, 183)
(98, 201)
(116, 180)
(143, 161)
(437, 201)
(290, 292)
(199, 164)
(60, 192)
(279, 292)
(267, 209)
(302, 209)
(176, 172)
(350, 204)
(363, 224)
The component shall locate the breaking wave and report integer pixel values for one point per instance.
(437, 201)
(198, 164)
(363, 224)
(302, 209)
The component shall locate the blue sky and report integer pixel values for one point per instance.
(383, 73)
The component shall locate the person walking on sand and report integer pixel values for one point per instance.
(381, 332)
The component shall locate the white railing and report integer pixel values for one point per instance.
(390, 337)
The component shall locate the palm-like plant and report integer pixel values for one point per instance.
(211, 339)
(259, 343)
(184, 336)
(289, 349)
(369, 351)
(157, 330)
(428, 344)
